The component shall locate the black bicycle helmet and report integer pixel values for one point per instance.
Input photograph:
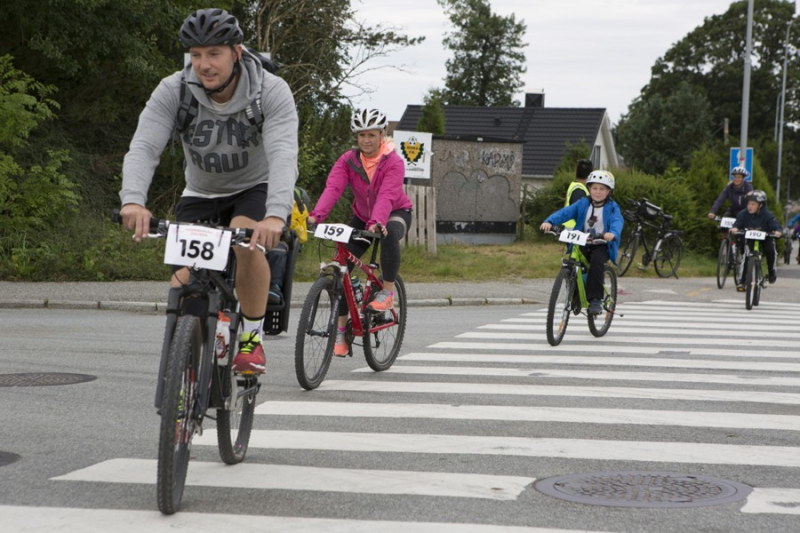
(210, 27)
(756, 196)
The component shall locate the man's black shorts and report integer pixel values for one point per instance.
(251, 203)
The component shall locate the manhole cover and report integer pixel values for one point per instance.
(44, 379)
(7, 458)
(643, 489)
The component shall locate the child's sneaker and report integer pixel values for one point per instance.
(275, 295)
(595, 307)
(384, 300)
(251, 354)
(340, 349)
(773, 276)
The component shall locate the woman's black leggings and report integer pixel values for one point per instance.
(396, 227)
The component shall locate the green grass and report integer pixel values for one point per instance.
(529, 259)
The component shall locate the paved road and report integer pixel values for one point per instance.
(453, 438)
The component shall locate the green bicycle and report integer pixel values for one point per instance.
(569, 290)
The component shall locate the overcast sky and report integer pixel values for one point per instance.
(582, 53)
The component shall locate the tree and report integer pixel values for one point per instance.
(432, 119)
(665, 129)
(488, 61)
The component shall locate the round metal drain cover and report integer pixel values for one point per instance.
(44, 379)
(643, 489)
(6, 458)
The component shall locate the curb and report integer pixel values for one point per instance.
(157, 307)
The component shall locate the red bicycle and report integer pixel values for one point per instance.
(381, 332)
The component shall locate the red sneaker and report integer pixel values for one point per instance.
(251, 354)
(384, 300)
(340, 348)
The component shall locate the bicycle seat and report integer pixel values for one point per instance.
(667, 217)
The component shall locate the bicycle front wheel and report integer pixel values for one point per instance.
(749, 282)
(178, 404)
(599, 324)
(722, 264)
(316, 335)
(668, 257)
(234, 425)
(757, 286)
(384, 332)
(559, 308)
(627, 254)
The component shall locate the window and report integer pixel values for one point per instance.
(595, 157)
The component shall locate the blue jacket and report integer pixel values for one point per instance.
(794, 221)
(764, 220)
(612, 220)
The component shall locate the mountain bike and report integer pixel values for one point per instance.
(729, 257)
(195, 374)
(666, 254)
(754, 279)
(381, 332)
(569, 291)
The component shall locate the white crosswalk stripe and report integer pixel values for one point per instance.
(695, 367)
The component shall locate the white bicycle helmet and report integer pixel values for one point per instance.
(601, 176)
(740, 170)
(367, 119)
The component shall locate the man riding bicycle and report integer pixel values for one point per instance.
(375, 174)
(757, 217)
(734, 192)
(238, 173)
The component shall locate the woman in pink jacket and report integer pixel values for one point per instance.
(375, 173)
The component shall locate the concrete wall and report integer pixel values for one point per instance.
(477, 190)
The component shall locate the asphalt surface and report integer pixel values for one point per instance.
(150, 296)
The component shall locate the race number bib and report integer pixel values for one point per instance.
(726, 222)
(755, 235)
(334, 232)
(197, 246)
(573, 237)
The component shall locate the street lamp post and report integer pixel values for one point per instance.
(746, 85)
(783, 102)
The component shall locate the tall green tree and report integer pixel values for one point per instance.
(432, 119)
(663, 130)
(488, 62)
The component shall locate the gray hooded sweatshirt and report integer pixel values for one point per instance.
(225, 154)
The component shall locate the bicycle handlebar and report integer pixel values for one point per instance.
(556, 230)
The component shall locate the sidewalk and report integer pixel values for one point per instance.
(150, 296)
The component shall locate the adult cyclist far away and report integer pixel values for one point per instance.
(375, 173)
(238, 173)
(734, 192)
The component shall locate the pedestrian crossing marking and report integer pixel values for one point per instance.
(532, 414)
(619, 336)
(773, 501)
(289, 477)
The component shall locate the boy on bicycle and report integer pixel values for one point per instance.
(599, 216)
(375, 174)
(237, 174)
(757, 217)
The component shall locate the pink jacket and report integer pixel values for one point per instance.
(373, 202)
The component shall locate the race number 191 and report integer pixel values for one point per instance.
(197, 246)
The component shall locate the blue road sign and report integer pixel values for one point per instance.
(748, 163)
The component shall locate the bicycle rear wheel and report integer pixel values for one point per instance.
(559, 308)
(599, 324)
(178, 406)
(668, 256)
(787, 252)
(749, 282)
(722, 264)
(627, 254)
(384, 333)
(234, 425)
(316, 334)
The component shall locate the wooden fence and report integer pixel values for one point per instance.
(423, 217)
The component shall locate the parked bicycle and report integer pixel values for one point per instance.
(729, 258)
(381, 332)
(666, 254)
(569, 290)
(200, 341)
(754, 279)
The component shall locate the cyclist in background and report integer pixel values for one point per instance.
(577, 189)
(756, 216)
(600, 216)
(734, 192)
(375, 174)
(229, 163)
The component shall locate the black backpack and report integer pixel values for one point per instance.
(187, 112)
